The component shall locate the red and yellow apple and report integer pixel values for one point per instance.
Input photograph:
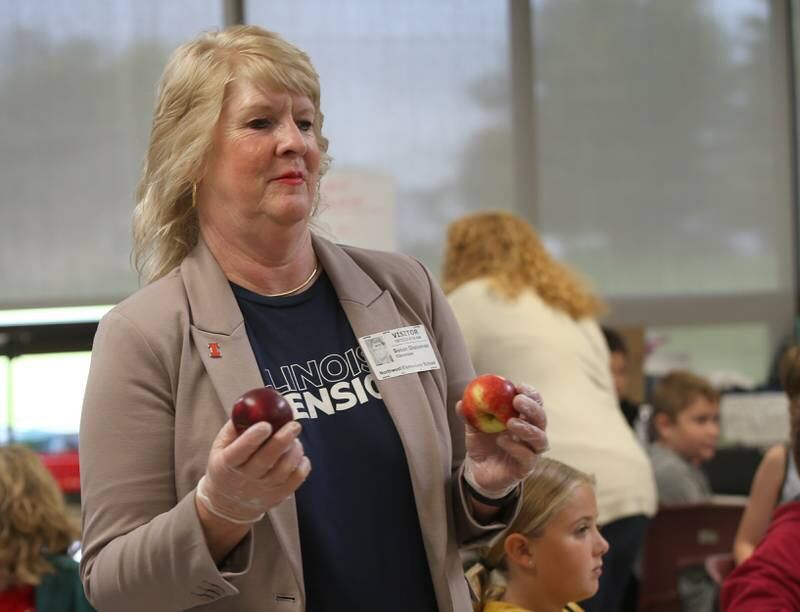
(261, 404)
(487, 403)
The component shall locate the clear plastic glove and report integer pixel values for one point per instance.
(249, 474)
(497, 463)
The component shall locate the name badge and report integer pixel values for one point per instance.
(395, 352)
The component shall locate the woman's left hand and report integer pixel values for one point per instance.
(500, 461)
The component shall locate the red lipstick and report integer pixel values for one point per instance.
(291, 178)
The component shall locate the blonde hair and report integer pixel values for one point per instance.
(33, 518)
(505, 249)
(789, 373)
(191, 94)
(547, 489)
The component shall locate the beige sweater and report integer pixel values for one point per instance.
(568, 362)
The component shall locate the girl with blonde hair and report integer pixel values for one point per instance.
(551, 554)
(36, 574)
(526, 316)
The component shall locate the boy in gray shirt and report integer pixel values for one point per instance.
(685, 424)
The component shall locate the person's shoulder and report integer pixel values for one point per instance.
(677, 480)
(667, 463)
(476, 286)
(166, 292)
(65, 575)
(157, 308)
(396, 272)
(389, 262)
(63, 562)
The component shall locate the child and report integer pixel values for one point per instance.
(35, 531)
(552, 552)
(768, 578)
(618, 352)
(685, 424)
(776, 481)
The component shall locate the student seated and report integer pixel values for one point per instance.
(36, 574)
(770, 578)
(776, 481)
(552, 552)
(685, 425)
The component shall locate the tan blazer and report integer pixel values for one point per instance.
(155, 400)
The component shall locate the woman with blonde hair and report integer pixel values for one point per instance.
(552, 554)
(181, 512)
(36, 574)
(526, 316)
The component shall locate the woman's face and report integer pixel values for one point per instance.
(264, 164)
(568, 555)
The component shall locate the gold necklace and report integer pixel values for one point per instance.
(299, 287)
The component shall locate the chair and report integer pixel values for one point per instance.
(732, 469)
(681, 536)
(719, 565)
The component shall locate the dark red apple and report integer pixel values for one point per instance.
(486, 404)
(261, 404)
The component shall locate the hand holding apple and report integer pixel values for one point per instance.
(487, 403)
(261, 404)
(256, 461)
(496, 462)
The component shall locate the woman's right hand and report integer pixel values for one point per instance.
(253, 472)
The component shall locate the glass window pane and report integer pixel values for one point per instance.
(47, 396)
(77, 87)
(5, 373)
(732, 355)
(662, 139)
(416, 92)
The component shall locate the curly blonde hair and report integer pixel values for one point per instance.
(191, 94)
(505, 249)
(33, 518)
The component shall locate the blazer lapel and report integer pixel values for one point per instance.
(220, 337)
(369, 310)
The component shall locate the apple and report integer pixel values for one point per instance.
(486, 404)
(261, 404)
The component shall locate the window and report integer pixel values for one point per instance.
(415, 92)
(77, 87)
(663, 135)
(46, 398)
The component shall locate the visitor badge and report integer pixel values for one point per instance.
(395, 352)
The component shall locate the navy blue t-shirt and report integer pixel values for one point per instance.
(359, 530)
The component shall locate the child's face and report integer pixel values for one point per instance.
(695, 431)
(568, 555)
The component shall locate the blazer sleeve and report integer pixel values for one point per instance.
(459, 372)
(143, 548)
